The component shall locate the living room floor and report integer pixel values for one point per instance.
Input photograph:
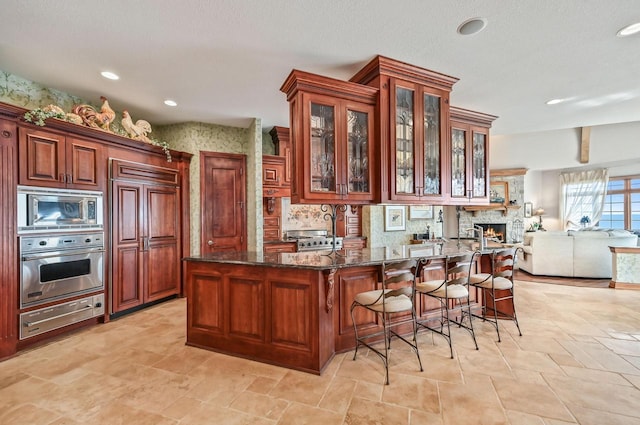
(578, 362)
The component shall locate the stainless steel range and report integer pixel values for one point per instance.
(313, 240)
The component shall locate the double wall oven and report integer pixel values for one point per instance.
(61, 236)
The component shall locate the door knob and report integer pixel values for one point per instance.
(210, 242)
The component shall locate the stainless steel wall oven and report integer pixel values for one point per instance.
(56, 268)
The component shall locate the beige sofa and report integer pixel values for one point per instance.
(572, 253)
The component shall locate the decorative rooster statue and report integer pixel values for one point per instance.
(92, 118)
(137, 131)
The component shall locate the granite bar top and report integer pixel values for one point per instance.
(325, 260)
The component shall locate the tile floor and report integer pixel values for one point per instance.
(577, 363)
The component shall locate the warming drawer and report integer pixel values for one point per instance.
(47, 319)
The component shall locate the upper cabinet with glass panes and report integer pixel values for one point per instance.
(332, 135)
(469, 176)
(414, 129)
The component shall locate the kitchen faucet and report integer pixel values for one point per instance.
(481, 239)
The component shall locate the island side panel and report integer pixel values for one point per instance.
(275, 315)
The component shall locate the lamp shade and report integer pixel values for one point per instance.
(539, 211)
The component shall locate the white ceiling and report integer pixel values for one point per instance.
(224, 61)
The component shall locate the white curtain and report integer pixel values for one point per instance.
(582, 194)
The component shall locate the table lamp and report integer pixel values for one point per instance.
(539, 213)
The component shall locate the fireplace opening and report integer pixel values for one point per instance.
(496, 231)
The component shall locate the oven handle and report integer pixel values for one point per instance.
(37, 322)
(61, 254)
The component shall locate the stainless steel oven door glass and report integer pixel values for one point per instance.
(57, 267)
(58, 210)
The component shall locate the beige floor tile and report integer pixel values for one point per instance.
(412, 392)
(521, 418)
(586, 416)
(592, 375)
(477, 399)
(27, 414)
(301, 387)
(621, 346)
(208, 414)
(262, 385)
(535, 399)
(418, 417)
(181, 407)
(367, 412)
(338, 395)
(259, 405)
(369, 391)
(601, 396)
(300, 414)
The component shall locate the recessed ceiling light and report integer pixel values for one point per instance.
(472, 26)
(555, 101)
(629, 30)
(170, 102)
(110, 75)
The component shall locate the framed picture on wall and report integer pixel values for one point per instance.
(394, 218)
(499, 193)
(420, 212)
(528, 209)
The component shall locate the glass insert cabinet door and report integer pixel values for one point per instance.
(479, 167)
(340, 150)
(405, 141)
(432, 131)
(417, 143)
(458, 162)
(323, 148)
(358, 152)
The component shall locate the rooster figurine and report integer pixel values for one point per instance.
(92, 118)
(137, 131)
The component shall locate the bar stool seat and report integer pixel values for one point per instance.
(483, 280)
(393, 303)
(436, 289)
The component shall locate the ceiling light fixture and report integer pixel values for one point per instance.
(554, 101)
(629, 30)
(472, 26)
(110, 75)
(170, 102)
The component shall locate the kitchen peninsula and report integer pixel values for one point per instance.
(290, 309)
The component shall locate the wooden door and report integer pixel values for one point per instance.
(223, 200)
(127, 246)
(42, 158)
(161, 246)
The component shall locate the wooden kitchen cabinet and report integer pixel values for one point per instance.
(54, 159)
(274, 182)
(469, 157)
(279, 247)
(146, 235)
(282, 143)
(414, 130)
(332, 136)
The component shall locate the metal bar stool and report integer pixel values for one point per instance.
(498, 286)
(452, 292)
(395, 297)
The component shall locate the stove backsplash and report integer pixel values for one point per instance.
(303, 217)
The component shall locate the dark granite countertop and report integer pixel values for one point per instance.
(323, 260)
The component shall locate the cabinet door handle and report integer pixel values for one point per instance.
(210, 242)
(63, 178)
(146, 243)
(69, 178)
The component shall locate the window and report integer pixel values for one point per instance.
(622, 204)
(582, 197)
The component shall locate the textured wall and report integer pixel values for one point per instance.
(373, 227)
(27, 94)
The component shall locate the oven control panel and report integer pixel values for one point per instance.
(31, 244)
